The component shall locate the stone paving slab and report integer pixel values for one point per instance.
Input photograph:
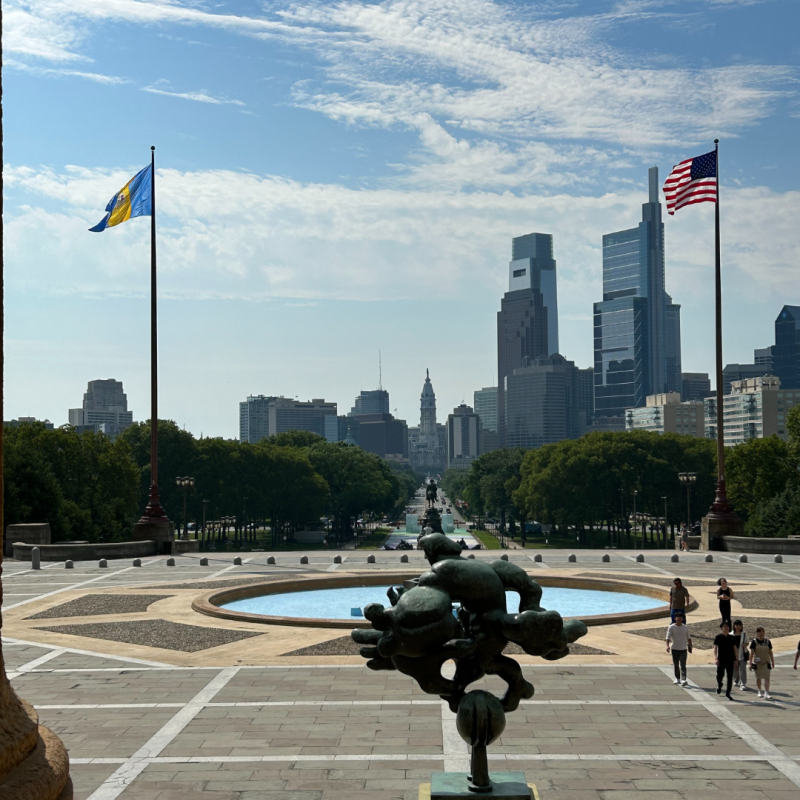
(17, 656)
(87, 778)
(704, 631)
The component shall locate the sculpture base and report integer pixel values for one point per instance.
(162, 533)
(455, 786)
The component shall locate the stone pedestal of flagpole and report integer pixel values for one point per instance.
(162, 533)
(455, 786)
(715, 525)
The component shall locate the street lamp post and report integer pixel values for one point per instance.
(664, 498)
(635, 526)
(244, 519)
(688, 478)
(184, 484)
(205, 505)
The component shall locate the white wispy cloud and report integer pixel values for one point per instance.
(110, 80)
(201, 96)
(231, 234)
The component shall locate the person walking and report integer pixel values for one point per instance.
(797, 655)
(681, 643)
(678, 598)
(762, 661)
(725, 595)
(726, 655)
(740, 668)
(685, 538)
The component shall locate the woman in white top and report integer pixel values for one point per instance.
(740, 668)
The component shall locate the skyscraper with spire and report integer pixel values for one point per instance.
(426, 444)
(636, 325)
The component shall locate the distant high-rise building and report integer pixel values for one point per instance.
(695, 386)
(426, 444)
(665, 413)
(383, 435)
(636, 325)
(104, 410)
(754, 409)
(763, 356)
(15, 423)
(741, 372)
(523, 322)
(463, 437)
(533, 267)
(374, 401)
(254, 418)
(485, 401)
(786, 353)
(542, 403)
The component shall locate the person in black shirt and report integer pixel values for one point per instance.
(726, 652)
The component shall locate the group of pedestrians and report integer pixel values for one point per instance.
(733, 655)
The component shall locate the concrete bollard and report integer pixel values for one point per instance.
(170, 562)
(103, 564)
(271, 560)
(68, 564)
(778, 559)
(640, 559)
(36, 558)
(370, 559)
(404, 559)
(337, 559)
(606, 558)
(237, 562)
(137, 562)
(709, 558)
(204, 562)
(572, 558)
(504, 557)
(537, 557)
(472, 556)
(742, 559)
(674, 557)
(304, 559)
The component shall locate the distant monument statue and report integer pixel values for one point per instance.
(420, 632)
(431, 493)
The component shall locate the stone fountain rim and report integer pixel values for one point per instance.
(209, 603)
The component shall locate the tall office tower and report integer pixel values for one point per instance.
(463, 437)
(672, 345)
(523, 322)
(542, 400)
(383, 435)
(533, 267)
(254, 418)
(105, 409)
(695, 386)
(374, 401)
(631, 343)
(786, 353)
(763, 356)
(485, 401)
(426, 444)
(741, 372)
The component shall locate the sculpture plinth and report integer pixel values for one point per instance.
(420, 632)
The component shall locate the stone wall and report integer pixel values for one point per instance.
(37, 533)
(754, 544)
(86, 552)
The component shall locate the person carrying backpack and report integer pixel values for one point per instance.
(762, 661)
(740, 668)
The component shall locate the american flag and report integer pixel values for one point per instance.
(692, 181)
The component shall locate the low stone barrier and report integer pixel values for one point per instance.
(86, 552)
(755, 544)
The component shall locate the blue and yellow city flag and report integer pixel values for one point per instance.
(134, 199)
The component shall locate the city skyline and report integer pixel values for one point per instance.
(319, 199)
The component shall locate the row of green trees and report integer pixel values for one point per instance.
(88, 487)
(582, 485)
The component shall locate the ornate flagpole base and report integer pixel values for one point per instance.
(720, 521)
(455, 786)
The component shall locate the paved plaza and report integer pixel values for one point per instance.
(156, 701)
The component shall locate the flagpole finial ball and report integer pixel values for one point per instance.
(716, 141)
(152, 147)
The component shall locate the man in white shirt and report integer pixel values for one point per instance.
(680, 641)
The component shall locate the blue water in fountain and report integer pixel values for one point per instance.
(338, 603)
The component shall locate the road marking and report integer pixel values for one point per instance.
(32, 665)
(761, 566)
(124, 775)
(652, 566)
(780, 760)
(149, 664)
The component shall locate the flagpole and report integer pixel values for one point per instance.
(153, 513)
(721, 505)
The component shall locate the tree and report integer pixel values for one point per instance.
(295, 438)
(756, 471)
(491, 481)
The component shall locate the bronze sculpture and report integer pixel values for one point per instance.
(431, 493)
(420, 631)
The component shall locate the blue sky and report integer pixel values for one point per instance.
(336, 179)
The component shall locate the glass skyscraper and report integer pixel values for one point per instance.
(786, 353)
(636, 325)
